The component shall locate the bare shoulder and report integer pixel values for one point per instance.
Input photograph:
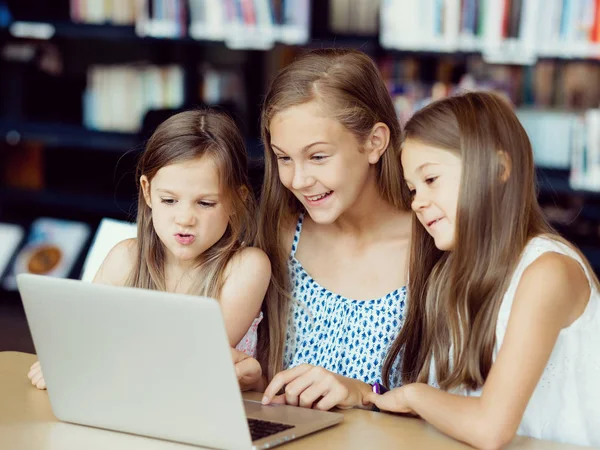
(249, 260)
(124, 249)
(557, 283)
(558, 270)
(118, 263)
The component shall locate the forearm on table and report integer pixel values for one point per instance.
(463, 418)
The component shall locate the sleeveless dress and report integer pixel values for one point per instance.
(565, 405)
(250, 339)
(345, 336)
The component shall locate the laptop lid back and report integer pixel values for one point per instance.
(133, 360)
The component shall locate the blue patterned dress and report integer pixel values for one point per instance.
(345, 336)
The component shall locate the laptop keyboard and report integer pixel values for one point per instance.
(261, 428)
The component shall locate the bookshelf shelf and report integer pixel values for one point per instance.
(73, 30)
(109, 32)
(72, 136)
(87, 31)
(556, 181)
(91, 204)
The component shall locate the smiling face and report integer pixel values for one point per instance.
(320, 161)
(433, 177)
(189, 209)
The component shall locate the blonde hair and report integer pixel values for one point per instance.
(454, 297)
(349, 87)
(183, 137)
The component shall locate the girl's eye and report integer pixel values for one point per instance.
(167, 201)
(283, 159)
(430, 180)
(318, 157)
(206, 204)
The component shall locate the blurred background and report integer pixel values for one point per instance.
(83, 83)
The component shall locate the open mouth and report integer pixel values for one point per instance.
(319, 197)
(185, 239)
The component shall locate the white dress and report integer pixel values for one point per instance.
(565, 405)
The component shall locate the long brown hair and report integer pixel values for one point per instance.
(349, 86)
(183, 137)
(454, 297)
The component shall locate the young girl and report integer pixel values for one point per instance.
(195, 223)
(503, 325)
(336, 227)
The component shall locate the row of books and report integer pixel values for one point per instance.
(359, 17)
(116, 12)
(251, 23)
(117, 97)
(561, 138)
(549, 84)
(239, 23)
(505, 31)
(162, 18)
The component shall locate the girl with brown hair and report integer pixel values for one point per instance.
(503, 324)
(335, 225)
(195, 225)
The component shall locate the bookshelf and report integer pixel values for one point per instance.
(503, 31)
(51, 50)
(69, 136)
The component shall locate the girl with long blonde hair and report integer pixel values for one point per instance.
(337, 230)
(195, 225)
(503, 324)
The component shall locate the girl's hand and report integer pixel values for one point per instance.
(392, 401)
(36, 376)
(314, 387)
(247, 369)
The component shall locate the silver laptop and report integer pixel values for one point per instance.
(149, 363)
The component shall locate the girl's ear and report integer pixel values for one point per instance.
(505, 165)
(145, 185)
(377, 142)
(244, 193)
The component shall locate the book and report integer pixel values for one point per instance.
(109, 233)
(52, 248)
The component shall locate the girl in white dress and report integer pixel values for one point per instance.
(502, 333)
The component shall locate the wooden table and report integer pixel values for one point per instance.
(27, 423)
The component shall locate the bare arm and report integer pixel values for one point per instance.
(248, 275)
(552, 293)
